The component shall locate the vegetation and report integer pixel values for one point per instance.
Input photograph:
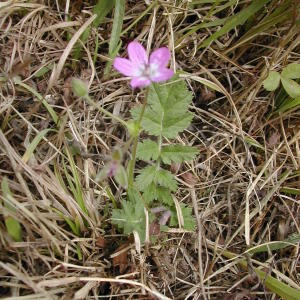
(186, 189)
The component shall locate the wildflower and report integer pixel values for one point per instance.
(144, 70)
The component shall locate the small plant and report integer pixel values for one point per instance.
(150, 202)
(290, 72)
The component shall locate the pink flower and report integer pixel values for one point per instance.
(144, 70)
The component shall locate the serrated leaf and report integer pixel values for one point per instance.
(291, 71)
(178, 153)
(150, 193)
(166, 112)
(146, 177)
(147, 150)
(166, 179)
(189, 220)
(271, 83)
(164, 196)
(131, 217)
(291, 87)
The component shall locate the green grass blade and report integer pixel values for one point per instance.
(13, 227)
(50, 110)
(277, 245)
(30, 149)
(77, 187)
(102, 9)
(237, 19)
(117, 26)
(276, 286)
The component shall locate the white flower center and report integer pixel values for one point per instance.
(147, 71)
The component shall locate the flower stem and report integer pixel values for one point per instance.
(131, 166)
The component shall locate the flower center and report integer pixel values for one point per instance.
(148, 71)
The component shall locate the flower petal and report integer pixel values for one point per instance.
(160, 57)
(124, 66)
(139, 82)
(162, 74)
(137, 54)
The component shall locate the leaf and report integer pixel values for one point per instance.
(291, 71)
(291, 87)
(117, 26)
(271, 83)
(102, 9)
(166, 179)
(280, 288)
(166, 113)
(121, 176)
(189, 220)
(131, 217)
(154, 192)
(164, 196)
(147, 150)
(289, 104)
(292, 241)
(32, 146)
(13, 227)
(237, 19)
(146, 177)
(178, 153)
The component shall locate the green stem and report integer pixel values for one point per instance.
(135, 143)
(104, 111)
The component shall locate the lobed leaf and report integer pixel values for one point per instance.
(146, 177)
(167, 112)
(178, 153)
(131, 217)
(147, 150)
(166, 179)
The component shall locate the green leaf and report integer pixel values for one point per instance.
(131, 217)
(166, 113)
(280, 288)
(288, 104)
(121, 176)
(147, 150)
(32, 146)
(237, 19)
(159, 193)
(271, 83)
(292, 241)
(102, 9)
(189, 220)
(178, 153)
(291, 87)
(117, 26)
(13, 227)
(291, 71)
(164, 196)
(166, 179)
(146, 177)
